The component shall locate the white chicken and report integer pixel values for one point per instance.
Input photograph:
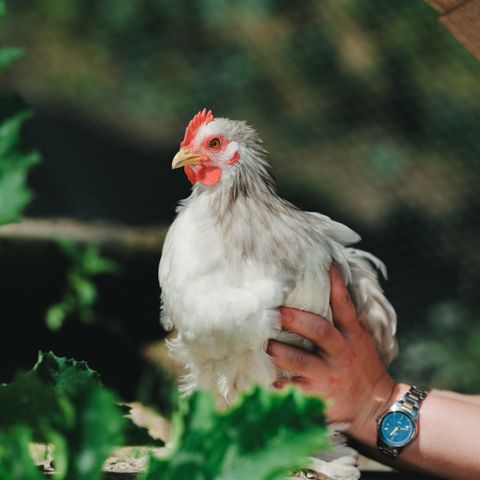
(237, 251)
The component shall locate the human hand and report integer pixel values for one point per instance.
(346, 370)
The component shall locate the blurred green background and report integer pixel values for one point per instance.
(370, 111)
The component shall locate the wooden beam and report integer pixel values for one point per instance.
(444, 6)
(147, 239)
(464, 24)
(462, 19)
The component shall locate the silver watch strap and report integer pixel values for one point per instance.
(410, 403)
(412, 400)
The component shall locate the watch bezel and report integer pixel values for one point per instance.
(395, 409)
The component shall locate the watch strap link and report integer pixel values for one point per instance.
(412, 400)
(391, 452)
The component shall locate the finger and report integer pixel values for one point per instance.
(308, 325)
(296, 381)
(305, 384)
(295, 360)
(343, 309)
(280, 383)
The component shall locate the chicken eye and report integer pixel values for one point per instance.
(214, 143)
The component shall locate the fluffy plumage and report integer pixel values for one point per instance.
(237, 251)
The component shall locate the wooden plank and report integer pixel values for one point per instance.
(148, 239)
(464, 23)
(444, 6)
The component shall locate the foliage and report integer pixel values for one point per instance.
(15, 461)
(61, 401)
(80, 292)
(263, 436)
(92, 438)
(67, 375)
(40, 407)
(14, 163)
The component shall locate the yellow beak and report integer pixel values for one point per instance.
(185, 157)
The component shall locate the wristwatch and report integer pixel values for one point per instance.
(398, 426)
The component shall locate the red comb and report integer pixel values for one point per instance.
(199, 119)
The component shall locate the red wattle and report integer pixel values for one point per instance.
(208, 175)
(191, 175)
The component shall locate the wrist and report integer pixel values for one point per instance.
(385, 393)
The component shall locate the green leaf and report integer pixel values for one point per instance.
(34, 403)
(60, 448)
(264, 436)
(70, 248)
(80, 292)
(10, 133)
(14, 168)
(98, 428)
(65, 374)
(15, 460)
(85, 290)
(14, 195)
(93, 263)
(56, 316)
(8, 55)
(275, 438)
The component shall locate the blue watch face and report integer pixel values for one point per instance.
(396, 429)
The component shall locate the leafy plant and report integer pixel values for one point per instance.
(15, 461)
(67, 375)
(60, 401)
(264, 436)
(80, 292)
(15, 164)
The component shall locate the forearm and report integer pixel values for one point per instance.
(448, 437)
(475, 399)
